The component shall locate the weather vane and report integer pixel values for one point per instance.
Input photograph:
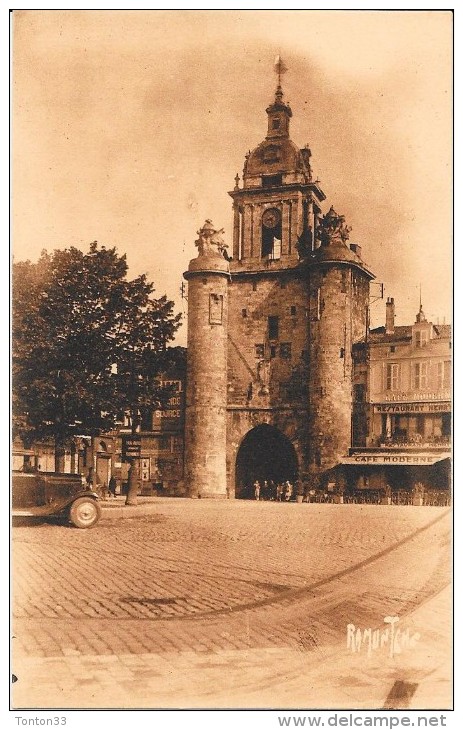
(279, 68)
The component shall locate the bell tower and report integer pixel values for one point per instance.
(271, 329)
(276, 210)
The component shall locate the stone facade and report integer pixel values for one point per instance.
(205, 413)
(402, 418)
(341, 297)
(297, 298)
(406, 386)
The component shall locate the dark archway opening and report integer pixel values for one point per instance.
(265, 454)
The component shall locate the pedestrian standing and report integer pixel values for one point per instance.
(288, 491)
(257, 490)
(112, 487)
(279, 491)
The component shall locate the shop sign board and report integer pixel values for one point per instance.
(172, 417)
(131, 446)
(394, 408)
(395, 459)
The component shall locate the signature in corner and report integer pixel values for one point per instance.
(393, 637)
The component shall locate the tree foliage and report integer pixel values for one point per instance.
(88, 344)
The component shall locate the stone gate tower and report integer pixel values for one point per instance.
(297, 300)
(206, 391)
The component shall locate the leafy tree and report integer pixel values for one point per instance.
(88, 345)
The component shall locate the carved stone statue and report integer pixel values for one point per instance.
(332, 228)
(211, 241)
(263, 374)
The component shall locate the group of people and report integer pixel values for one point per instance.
(280, 492)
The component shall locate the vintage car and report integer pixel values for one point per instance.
(45, 494)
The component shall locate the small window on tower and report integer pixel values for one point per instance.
(244, 312)
(293, 311)
(344, 280)
(273, 351)
(285, 350)
(215, 308)
(273, 328)
(275, 124)
(272, 181)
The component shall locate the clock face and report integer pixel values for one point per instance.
(271, 217)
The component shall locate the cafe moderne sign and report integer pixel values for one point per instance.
(397, 459)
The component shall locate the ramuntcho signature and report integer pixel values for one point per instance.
(393, 638)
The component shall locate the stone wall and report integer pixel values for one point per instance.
(252, 300)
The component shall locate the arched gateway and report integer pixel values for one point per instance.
(264, 454)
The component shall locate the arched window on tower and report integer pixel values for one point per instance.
(271, 234)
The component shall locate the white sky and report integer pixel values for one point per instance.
(129, 127)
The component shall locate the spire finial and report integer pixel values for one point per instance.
(420, 317)
(280, 69)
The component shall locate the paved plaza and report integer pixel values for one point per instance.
(213, 603)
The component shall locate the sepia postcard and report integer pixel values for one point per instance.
(232, 262)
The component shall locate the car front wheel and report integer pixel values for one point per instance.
(84, 512)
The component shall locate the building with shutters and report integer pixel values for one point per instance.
(401, 433)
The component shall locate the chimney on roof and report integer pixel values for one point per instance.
(356, 249)
(390, 315)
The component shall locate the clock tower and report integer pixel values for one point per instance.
(295, 298)
(277, 208)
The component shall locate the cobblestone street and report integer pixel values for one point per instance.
(216, 603)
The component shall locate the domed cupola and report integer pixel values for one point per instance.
(270, 163)
(277, 205)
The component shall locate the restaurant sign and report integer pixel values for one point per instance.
(443, 407)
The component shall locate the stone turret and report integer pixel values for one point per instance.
(206, 392)
(338, 311)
